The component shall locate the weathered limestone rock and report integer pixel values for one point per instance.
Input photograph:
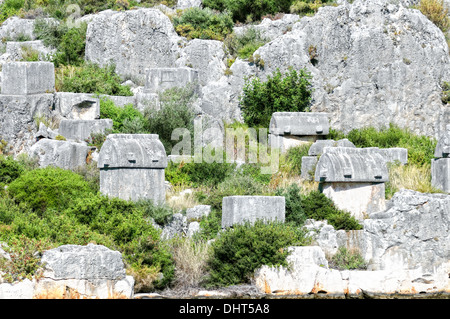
(289, 129)
(132, 40)
(132, 167)
(17, 290)
(92, 271)
(353, 178)
(14, 27)
(17, 120)
(198, 212)
(239, 209)
(412, 233)
(440, 174)
(15, 50)
(308, 273)
(22, 78)
(77, 106)
(63, 154)
(443, 144)
(185, 4)
(440, 166)
(81, 130)
(206, 56)
(271, 29)
(161, 79)
(374, 63)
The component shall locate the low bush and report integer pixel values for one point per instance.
(10, 169)
(91, 78)
(176, 111)
(203, 23)
(420, 148)
(121, 117)
(10, 8)
(436, 11)
(248, 10)
(239, 251)
(346, 259)
(245, 44)
(49, 187)
(289, 92)
(306, 7)
(319, 207)
(295, 212)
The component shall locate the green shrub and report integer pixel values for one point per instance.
(239, 251)
(9, 170)
(295, 213)
(245, 44)
(319, 207)
(72, 47)
(420, 148)
(293, 158)
(347, 259)
(303, 7)
(121, 116)
(176, 112)
(290, 92)
(203, 24)
(10, 8)
(49, 32)
(48, 187)
(91, 78)
(437, 12)
(198, 174)
(249, 10)
(232, 186)
(25, 260)
(161, 214)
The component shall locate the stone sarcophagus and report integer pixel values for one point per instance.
(132, 167)
(354, 178)
(440, 165)
(290, 129)
(23, 78)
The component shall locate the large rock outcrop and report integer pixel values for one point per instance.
(372, 62)
(132, 40)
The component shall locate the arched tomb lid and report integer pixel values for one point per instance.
(346, 164)
(132, 151)
(299, 123)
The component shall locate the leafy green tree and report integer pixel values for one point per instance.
(289, 92)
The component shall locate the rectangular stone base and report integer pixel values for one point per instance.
(440, 174)
(360, 199)
(239, 209)
(133, 183)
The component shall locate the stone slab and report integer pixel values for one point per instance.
(239, 209)
(22, 78)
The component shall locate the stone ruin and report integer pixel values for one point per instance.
(239, 209)
(440, 165)
(354, 178)
(290, 129)
(132, 167)
(160, 79)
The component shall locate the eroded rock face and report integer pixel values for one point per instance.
(133, 40)
(372, 63)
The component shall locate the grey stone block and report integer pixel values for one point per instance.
(308, 167)
(239, 209)
(345, 164)
(81, 130)
(395, 154)
(299, 123)
(440, 174)
(16, 49)
(22, 78)
(198, 212)
(443, 144)
(77, 106)
(64, 154)
(160, 79)
(318, 146)
(83, 262)
(132, 167)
